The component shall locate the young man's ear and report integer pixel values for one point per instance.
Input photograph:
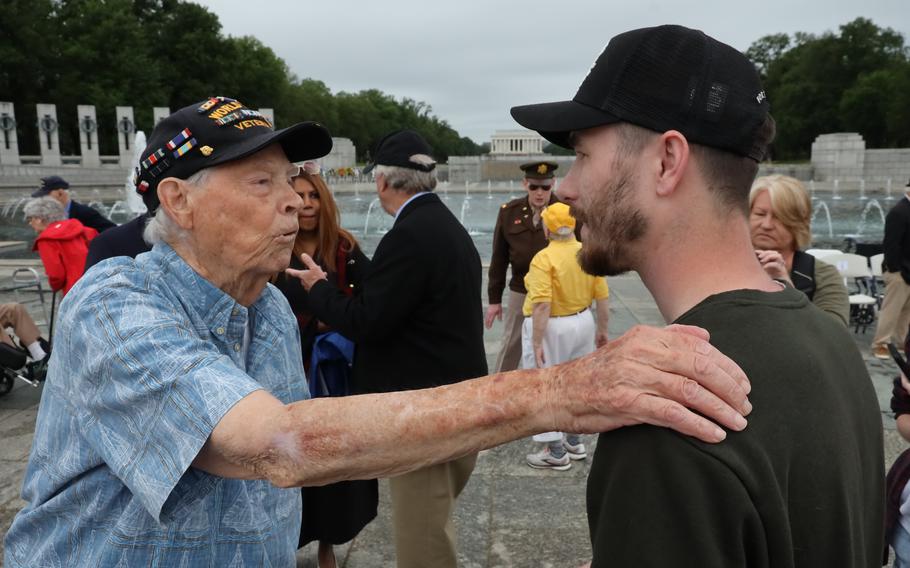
(674, 157)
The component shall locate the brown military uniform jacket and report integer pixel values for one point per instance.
(515, 241)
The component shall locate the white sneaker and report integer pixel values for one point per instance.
(544, 460)
(575, 451)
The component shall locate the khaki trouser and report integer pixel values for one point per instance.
(894, 317)
(16, 317)
(422, 505)
(510, 347)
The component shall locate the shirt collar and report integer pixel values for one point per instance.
(412, 198)
(69, 205)
(215, 307)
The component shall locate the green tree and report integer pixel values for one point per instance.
(145, 53)
(834, 82)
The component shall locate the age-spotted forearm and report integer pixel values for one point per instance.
(326, 440)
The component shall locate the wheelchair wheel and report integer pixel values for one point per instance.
(6, 383)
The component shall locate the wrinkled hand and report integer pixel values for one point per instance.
(494, 311)
(312, 274)
(600, 339)
(774, 264)
(654, 376)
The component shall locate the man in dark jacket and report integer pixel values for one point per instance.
(122, 240)
(894, 316)
(58, 188)
(417, 323)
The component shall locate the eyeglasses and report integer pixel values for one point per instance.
(534, 186)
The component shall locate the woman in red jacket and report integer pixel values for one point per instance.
(62, 243)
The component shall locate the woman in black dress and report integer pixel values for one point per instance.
(336, 513)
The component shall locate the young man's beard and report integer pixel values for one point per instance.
(613, 224)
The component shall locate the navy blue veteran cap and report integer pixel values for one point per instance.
(397, 149)
(49, 184)
(663, 78)
(213, 132)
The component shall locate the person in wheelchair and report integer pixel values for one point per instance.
(38, 349)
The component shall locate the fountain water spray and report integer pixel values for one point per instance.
(465, 205)
(366, 222)
(134, 203)
(824, 206)
(862, 217)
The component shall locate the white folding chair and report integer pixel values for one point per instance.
(822, 253)
(856, 268)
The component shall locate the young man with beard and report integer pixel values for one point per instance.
(668, 129)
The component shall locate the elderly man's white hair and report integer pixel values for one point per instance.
(47, 209)
(407, 179)
(161, 228)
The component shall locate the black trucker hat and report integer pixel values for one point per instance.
(397, 148)
(663, 78)
(213, 132)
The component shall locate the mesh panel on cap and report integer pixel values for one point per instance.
(658, 86)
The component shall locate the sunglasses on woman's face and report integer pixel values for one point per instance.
(534, 186)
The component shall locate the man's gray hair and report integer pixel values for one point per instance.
(161, 228)
(47, 209)
(562, 234)
(407, 179)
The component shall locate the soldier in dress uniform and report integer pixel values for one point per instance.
(517, 238)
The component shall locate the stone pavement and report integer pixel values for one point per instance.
(509, 514)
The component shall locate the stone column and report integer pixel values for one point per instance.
(159, 114)
(126, 131)
(88, 135)
(269, 113)
(48, 136)
(9, 142)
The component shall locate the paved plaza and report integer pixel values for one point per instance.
(509, 514)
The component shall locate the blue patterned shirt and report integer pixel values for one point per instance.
(148, 357)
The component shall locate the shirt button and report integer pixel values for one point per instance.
(235, 311)
(220, 331)
(236, 347)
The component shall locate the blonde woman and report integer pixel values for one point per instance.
(779, 215)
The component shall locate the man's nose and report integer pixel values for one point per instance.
(567, 191)
(292, 202)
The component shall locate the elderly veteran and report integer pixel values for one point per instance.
(517, 237)
(558, 324)
(175, 418)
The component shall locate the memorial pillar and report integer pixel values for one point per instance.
(159, 114)
(49, 139)
(88, 135)
(126, 130)
(9, 142)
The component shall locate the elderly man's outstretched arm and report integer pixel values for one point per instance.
(649, 375)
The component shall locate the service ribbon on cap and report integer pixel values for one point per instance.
(237, 115)
(184, 134)
(162, 165)
(212, 102)
(152, 159)
(185, 148)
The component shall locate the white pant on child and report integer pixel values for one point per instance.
(566, 338)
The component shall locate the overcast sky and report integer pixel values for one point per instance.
(472, 60)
